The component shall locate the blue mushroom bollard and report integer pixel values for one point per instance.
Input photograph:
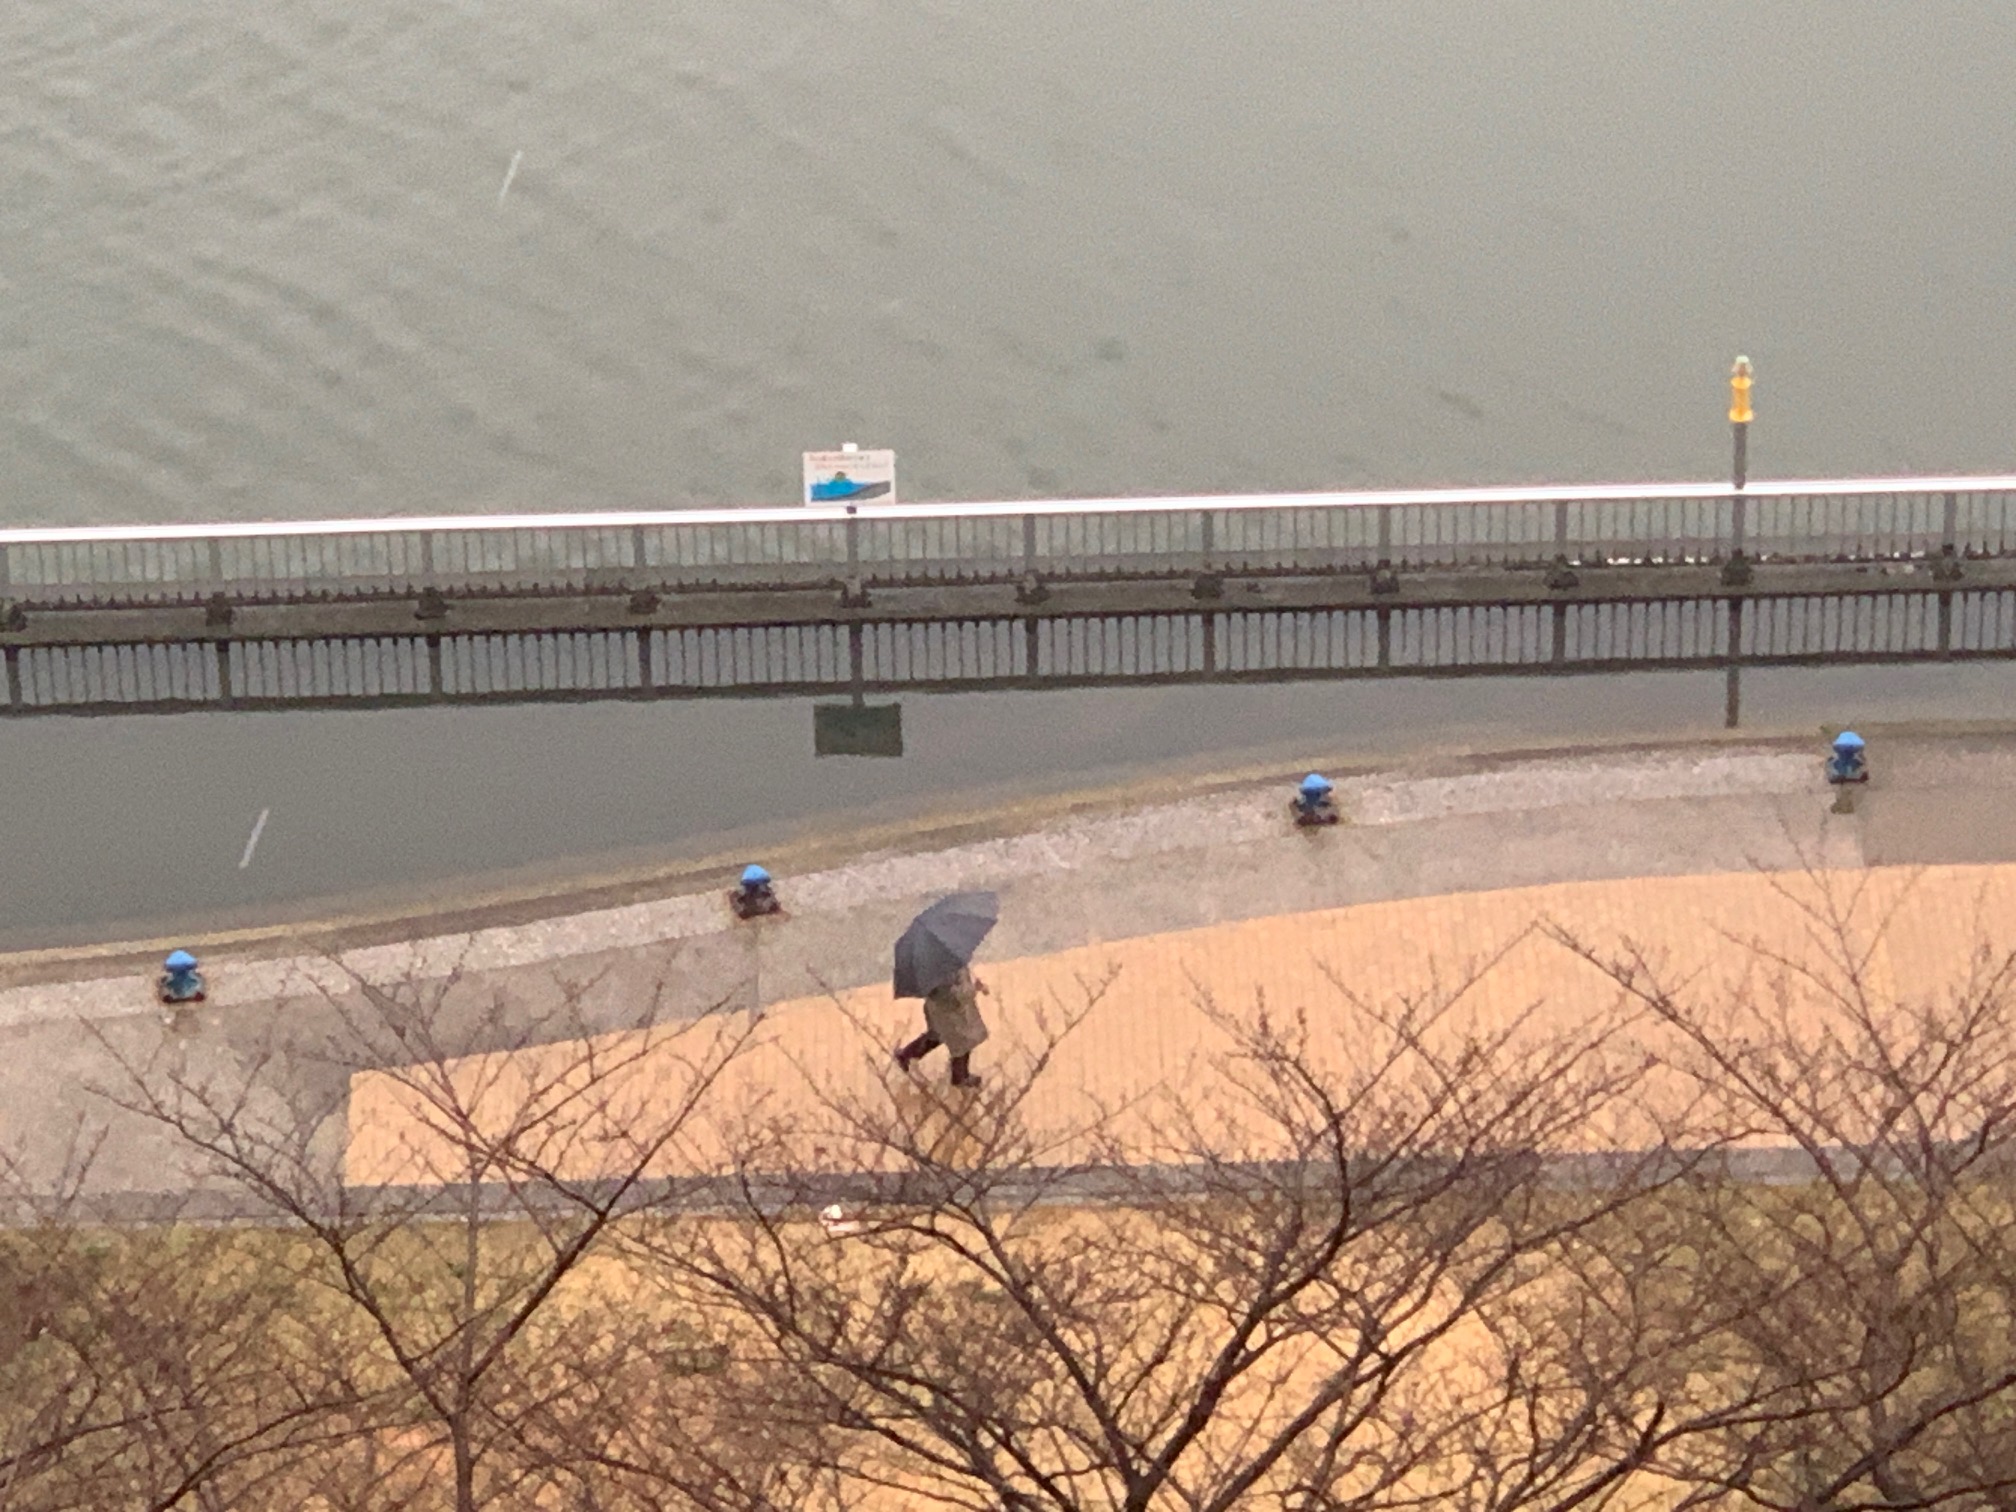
(1313, 802)
(180, 981)
(755, 895)
(1849, 763)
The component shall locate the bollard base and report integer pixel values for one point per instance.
(747, 909)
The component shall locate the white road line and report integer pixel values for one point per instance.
(510, 174)
(252, 842)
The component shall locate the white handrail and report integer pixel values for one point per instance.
(1184, 504)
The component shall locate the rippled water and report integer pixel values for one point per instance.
(254, 261)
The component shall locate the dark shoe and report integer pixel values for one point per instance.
(968, 1081)
(905, 1062)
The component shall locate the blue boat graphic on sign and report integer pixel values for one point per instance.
(840, 486)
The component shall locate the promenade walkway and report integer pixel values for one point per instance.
(1204, 889)
(1136, 1036)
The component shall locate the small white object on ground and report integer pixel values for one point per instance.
(833, 1218)
(252, 841)
(510, 174)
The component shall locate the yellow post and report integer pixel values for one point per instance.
(1739, 418)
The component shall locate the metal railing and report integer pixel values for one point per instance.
(1010, 651)
(933, 545)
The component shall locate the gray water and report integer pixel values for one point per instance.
(255, 262)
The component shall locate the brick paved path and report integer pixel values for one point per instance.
(1151, 1042)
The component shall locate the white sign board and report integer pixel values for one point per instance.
(850, 476)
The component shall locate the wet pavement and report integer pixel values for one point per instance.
(1123, 867)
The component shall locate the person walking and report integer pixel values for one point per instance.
(952, 1019)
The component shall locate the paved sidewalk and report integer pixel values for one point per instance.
(1150, 1041)
(1216, 856)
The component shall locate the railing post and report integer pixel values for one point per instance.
(853, 588)
(14, 677)
(644, 673)
(1029, 589)
(435, 681)
(1207, 582)
(221, 649)
(1947, 568)
(1736, 571)
(1732, 677)
(1384, 579)
(1561, 529)
(1210, 645)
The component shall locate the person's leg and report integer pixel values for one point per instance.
(962, 1071)
(924, 1044)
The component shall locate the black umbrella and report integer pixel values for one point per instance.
(941, 940)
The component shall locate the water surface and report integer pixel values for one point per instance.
(255, 262)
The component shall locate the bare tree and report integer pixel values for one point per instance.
(1293, 1281)
(637, 1409)
(150, 1366)
(1733, 1237)
(449, 1240)
(1858, 1263)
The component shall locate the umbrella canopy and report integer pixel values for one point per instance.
(941, 940)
